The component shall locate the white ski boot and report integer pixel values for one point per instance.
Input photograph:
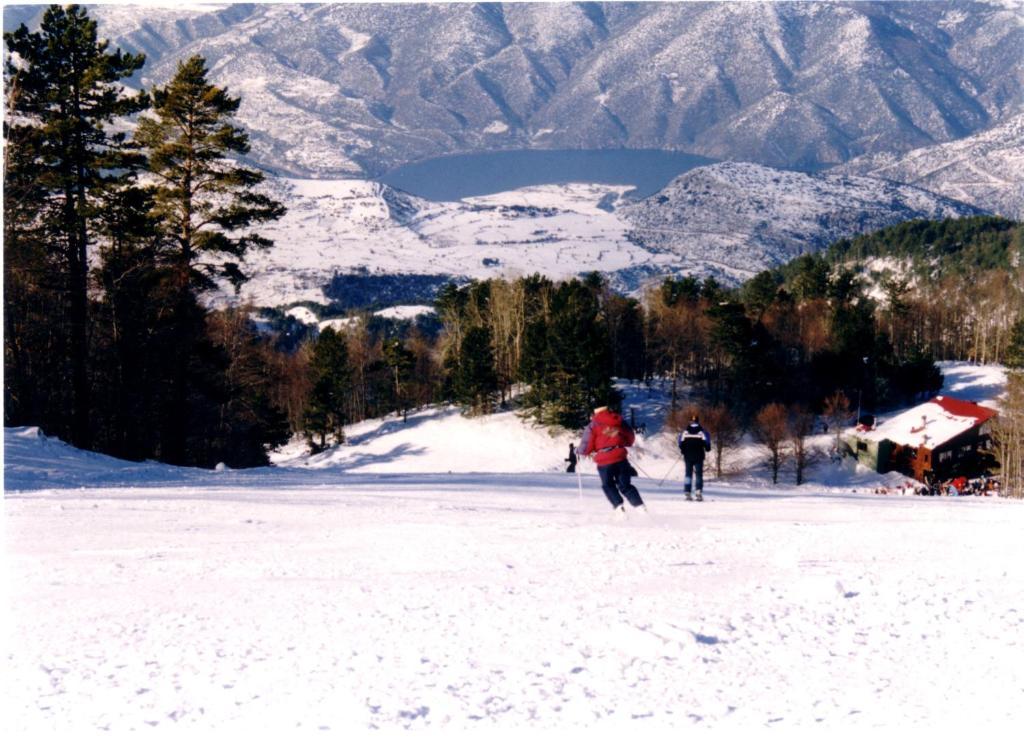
(699, 497)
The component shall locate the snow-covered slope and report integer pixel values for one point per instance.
(303, 600)
(985, 170)
(505, 604)
(338, 89)
(726, 220)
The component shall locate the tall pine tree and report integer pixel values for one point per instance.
(206, 203)
(205, 199)
(130, 337)
(64, 92)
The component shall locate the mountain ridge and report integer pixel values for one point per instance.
(356, 89)
(985, 169)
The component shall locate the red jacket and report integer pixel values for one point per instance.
(607, 437)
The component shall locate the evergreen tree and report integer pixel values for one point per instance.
(711, 291)
(400, 362)
(64, 91)
(475, 380)
(759, 292)
(205, 200)
(35, 357)
(245, 421)
(205, 203)
(914, 378)
(673, 291)
(625, 320)
(732, 341)
(132, 349)
(331, 385)
(808, 277)
(567, 357)
(1015, 349)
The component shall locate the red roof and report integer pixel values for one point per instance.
(964, 408)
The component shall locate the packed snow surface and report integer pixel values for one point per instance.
(325, 595)
(461, 600)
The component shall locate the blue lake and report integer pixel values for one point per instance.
(467, 175)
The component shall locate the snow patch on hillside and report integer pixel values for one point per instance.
(405, 312)
(303, 315)
(439, 441)
(974, 382)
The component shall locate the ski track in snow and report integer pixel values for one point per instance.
(469, 601)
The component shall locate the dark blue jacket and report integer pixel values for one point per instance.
(694, 442)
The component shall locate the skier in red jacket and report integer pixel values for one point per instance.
(607, 438)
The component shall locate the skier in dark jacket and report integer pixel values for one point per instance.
(571, 460)
(694, 442)
(607, 438)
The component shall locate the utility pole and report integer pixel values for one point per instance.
(860, 387)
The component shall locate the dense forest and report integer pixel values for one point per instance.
(111, 242)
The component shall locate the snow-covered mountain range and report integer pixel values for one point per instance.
(726, 220)
(986, 169)
(927, 94)
(343, 89)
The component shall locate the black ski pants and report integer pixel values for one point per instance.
(694, 474)
(615, 484)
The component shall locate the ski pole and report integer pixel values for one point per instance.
(671, 468)
(637, 466)
(579, 481)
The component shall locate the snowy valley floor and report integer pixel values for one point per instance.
(351, 602)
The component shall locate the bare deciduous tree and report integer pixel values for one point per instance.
(507, 320)
(801, 425)
(725, 432)
(771, 427)
(837, 410)
(1008, 436)
(678, 419)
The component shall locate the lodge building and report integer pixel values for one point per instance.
(940, 439)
